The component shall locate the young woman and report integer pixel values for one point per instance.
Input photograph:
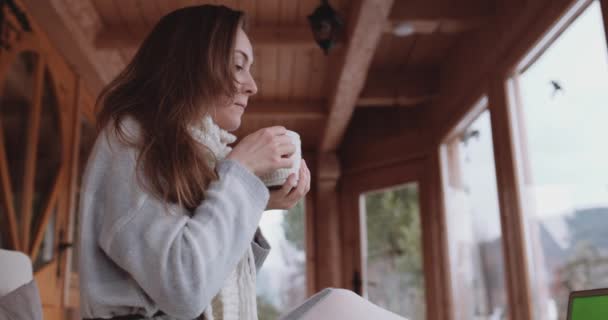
(169, 213)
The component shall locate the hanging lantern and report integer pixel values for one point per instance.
(326, 26)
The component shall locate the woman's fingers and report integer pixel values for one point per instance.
(290, 193)
(284, 163)
(299, 191)
(288, 185)
(275, 131)
(306, 174)
(286, 150)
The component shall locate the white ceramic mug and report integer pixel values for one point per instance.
(278, 177)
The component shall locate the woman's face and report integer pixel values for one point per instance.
(229, 117)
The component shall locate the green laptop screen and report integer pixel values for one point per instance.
(590, 308)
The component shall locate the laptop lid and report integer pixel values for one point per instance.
(588, 305)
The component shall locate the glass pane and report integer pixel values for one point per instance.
(15, 104)
(281, 283)
(473, 220)
(564, 114)
(393, 276)
(48, 153)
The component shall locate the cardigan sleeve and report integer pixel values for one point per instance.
(181, 261)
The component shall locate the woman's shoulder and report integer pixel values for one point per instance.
(115, 146)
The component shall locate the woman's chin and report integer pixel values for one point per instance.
(233, 126)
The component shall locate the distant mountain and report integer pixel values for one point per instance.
(590, 225)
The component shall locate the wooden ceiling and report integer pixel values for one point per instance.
(300, 87)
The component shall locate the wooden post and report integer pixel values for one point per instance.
(327, 222)
(510, 200)
(435, 241)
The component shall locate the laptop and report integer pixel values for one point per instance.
(588, 305)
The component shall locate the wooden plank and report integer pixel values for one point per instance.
(149, 13)
(232, 4)
(431, 50)
(268, 88)
(384, 52)
(105, 9)
(264, 36)
(288, 13)
(377, 132)
(248, 6)
(300, 74)
(130, 20)
(267, 12)
(304, 9)
(50, 205)
(441, 10)
(510, 200)
(284, 69)
(160, 11)
(364, 32)
(166, 6)
(292, 37)
(400, 52)
(31, 147)
(317, 75)
(8, 198)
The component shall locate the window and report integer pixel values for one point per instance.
(473, 222)
(281, 283)
(392, 255)
(562, 111)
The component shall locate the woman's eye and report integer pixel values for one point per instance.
(239, 68)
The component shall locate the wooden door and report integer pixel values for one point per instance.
(34, 129)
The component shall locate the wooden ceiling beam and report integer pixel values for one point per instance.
(260, 110)
(433, 26)
(289, 37)
(299, 37)
(438, 16)
(404, 89)
(441, 10)
(364, 30)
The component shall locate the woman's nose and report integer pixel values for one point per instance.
(250, 86)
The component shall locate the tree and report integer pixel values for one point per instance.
(395, 278)
(266, 310)
(294, 226)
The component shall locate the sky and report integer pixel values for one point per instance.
(566, 131)
(275, 272)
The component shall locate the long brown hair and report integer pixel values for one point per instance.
(183, 69)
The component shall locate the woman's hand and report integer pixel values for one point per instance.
(264, 151)
(289, 195)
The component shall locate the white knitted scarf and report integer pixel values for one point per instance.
(237, 298)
